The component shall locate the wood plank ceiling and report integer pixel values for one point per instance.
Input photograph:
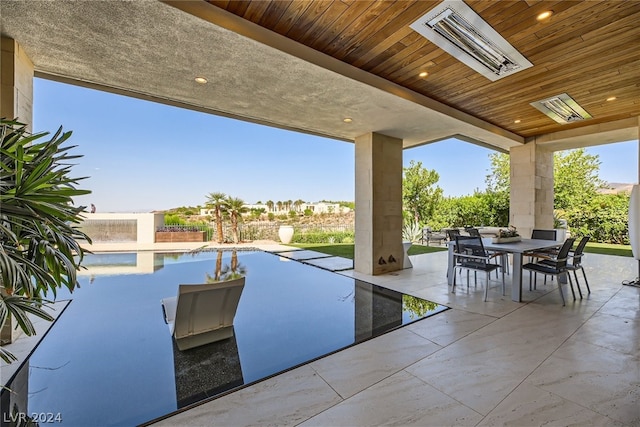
(588, 49)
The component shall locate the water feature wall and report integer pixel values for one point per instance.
(116, 231)
(121, 227)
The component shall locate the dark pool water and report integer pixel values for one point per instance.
(110, 359)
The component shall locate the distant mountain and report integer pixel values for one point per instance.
(615, 188)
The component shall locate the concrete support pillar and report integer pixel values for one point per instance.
(16, 101)
(378, 246)
(531, 203)
(16, 83)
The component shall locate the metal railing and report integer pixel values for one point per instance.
(259, 231)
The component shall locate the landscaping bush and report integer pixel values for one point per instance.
(605, 219)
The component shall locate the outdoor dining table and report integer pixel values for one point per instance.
(517, 249)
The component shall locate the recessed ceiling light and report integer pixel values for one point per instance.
(544, 15)
(200, 80)
(347, 120)
(423, 74)
(611, 98)
(517, 121)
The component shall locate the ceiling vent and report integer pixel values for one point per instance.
(456, 28)
(562, 108)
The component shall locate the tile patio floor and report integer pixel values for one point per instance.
(482, 363)
(479, 364)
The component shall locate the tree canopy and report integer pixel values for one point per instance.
(420, 194)
(576, 179)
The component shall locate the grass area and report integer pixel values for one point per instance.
(345, 250)
(608, 249)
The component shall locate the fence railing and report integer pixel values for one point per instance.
(269, 231)
(191, 227)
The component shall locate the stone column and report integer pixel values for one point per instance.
(378, 242)
(16, 101)
(16, 83)
(531, 204)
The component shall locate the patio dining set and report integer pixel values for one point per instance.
(544, 255)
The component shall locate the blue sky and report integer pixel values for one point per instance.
(142, 156)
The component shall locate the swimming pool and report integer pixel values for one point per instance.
(110, 360)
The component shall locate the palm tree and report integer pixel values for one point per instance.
(216, 276)
(39, 249)
(270, 205)
(235, 207)
(297, 204)
(218, 201)
(289, 204)
(237, 269)
(228, 272)
(279, 205)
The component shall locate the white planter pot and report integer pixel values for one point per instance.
(561, 234)
(406, 262)
(634, 221)
(285, 232)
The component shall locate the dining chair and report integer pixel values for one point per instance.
(554, 266)
(470, 254)
(541, 234)
(576, 263)
(429, 235)
(452, 233)
(472, 231)
(502, 256)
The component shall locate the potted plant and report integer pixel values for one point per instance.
(411, 233)
(38, 225)
(507, 235)
(560, 225)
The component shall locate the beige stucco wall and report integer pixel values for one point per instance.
(16, 101)
(531, 175)
(16, 83)
(378, 185)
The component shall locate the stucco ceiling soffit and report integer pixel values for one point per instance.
(588, 136)
(457, 118)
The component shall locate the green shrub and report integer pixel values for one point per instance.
(605, 219)
(174, 219)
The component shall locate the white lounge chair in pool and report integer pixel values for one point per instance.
(202, 314)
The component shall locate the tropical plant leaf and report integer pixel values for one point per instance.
(39, 249)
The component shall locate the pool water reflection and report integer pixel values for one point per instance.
(110, 359)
